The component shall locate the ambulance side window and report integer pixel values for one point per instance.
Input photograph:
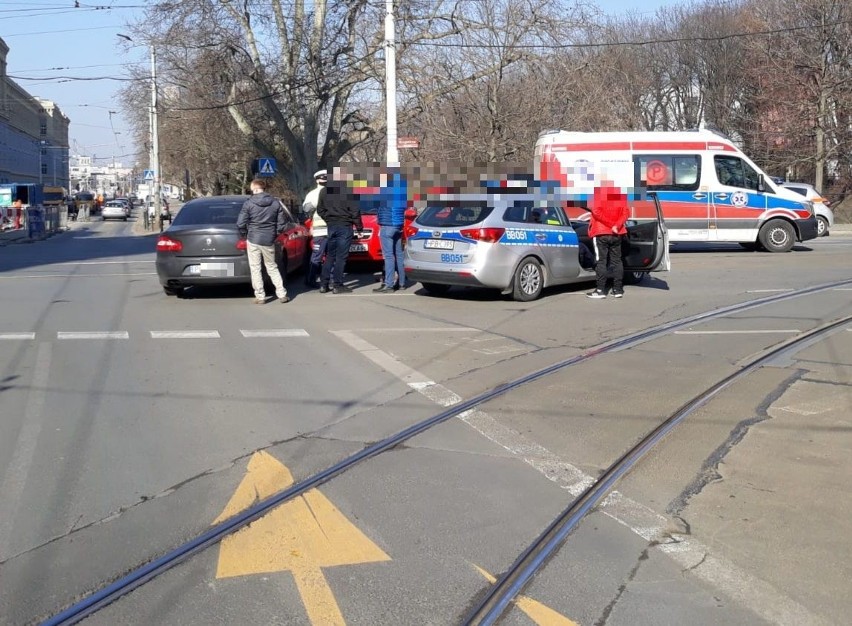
(667, 172)
(735, 172)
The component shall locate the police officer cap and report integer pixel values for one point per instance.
(321, 174)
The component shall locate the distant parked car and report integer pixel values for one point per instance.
(825, 216)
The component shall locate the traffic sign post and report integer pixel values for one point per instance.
(266, 166)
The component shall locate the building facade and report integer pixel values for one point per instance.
(33, 135)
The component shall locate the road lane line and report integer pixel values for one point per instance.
(16, 336)
(750, 591)
(77, 275)
(275, 333)
(768, 290)
(121, 334)
(184, 334)
(15, 477)
(380, 358)
(791, 331)
(100, 262)
(412, 329)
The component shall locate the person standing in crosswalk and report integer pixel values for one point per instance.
(261, 219)
(319, 229)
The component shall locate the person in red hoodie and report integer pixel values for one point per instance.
(607, 226)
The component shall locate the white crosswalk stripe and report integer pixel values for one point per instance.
(184, 334)
(280, 332)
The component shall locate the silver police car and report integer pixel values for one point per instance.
(518, 241)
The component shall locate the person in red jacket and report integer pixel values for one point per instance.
(607, 226)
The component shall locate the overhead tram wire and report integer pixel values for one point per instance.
(618, 44)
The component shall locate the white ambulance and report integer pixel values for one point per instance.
(709, 190)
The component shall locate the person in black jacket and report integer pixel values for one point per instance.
(262, 218)
(339, 208)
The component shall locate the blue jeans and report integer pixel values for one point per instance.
(336, 253)
(391, 239)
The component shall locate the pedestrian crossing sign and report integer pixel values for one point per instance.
(148, 175)
(266, 166)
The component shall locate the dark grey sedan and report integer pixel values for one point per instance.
(202, 246)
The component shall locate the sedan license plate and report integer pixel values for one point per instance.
(217, 269)
(439, 244)
(358, 247)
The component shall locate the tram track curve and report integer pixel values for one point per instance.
(490, 608)
(148, 571)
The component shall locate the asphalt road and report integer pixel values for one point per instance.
(133, 421)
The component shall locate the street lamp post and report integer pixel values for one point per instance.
(154, 155)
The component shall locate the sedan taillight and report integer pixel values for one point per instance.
(409, 231)
(242, 244)
(167, 244)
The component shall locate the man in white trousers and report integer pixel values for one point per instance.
(262, 218)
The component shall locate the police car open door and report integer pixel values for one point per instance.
(647, 245)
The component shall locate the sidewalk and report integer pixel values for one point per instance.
(21, 235)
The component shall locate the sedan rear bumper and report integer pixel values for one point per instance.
(185, 271)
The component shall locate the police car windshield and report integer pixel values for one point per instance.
(196, 214)
(452, 214)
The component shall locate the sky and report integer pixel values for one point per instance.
(49, 39)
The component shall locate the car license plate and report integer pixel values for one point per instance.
(358, 247)
(439, 244)
(217, 269)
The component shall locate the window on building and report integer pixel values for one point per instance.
(44, 168)
(43, 128)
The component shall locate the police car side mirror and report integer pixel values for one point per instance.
(761, 184)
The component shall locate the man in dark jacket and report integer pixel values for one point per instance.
(262, 218)
(337, 206)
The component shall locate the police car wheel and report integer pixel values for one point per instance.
(436, 289)
(777, 236)
(529, 280)
(822, 226)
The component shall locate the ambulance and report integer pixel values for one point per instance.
(708, 189)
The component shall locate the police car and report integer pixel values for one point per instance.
(519, 240)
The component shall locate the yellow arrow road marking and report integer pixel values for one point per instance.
(536, 611)
(301, 536)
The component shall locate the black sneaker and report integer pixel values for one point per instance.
(323, 288)
(597, 294)
(341, 289)
(382, 289)
(617, 294)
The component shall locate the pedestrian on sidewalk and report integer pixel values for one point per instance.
(338, 207)
(607, 228)
(393, 200)
(261, 219)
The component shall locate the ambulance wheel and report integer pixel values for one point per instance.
(634, 278)
(822, 226)
(777, 236)
(529, 280)
(436, 289)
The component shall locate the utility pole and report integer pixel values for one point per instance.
(155, 142)
(390, 84)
